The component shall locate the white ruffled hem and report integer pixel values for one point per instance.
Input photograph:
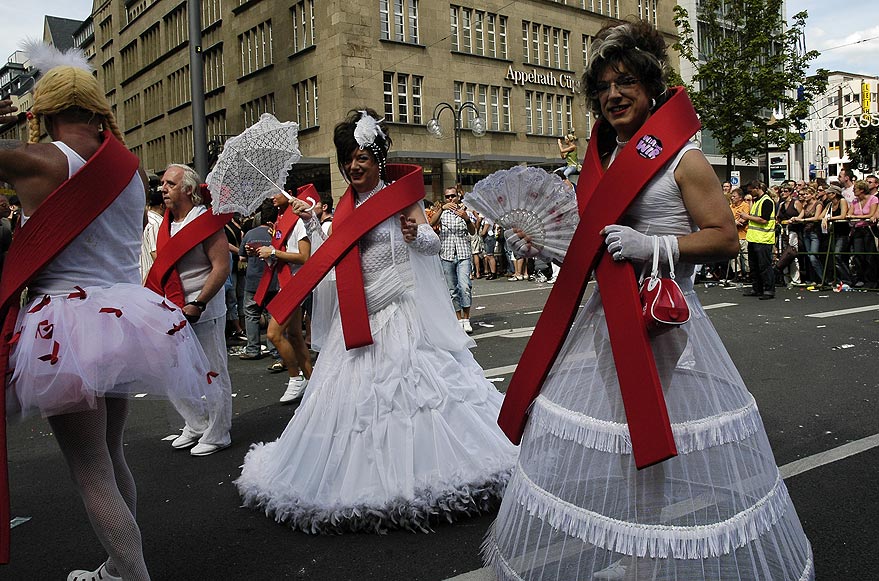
(415, 514)
(613, 437)
(655, 541)
(494, 559)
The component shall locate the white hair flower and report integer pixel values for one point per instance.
(367, 129)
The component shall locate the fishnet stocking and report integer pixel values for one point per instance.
(91, 442)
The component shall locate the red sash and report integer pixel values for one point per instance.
(55, 224)
(283, 226)
(163, 277)
(603, 198)
(341, 250)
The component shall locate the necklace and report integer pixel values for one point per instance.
(621, 143)
(370, 193)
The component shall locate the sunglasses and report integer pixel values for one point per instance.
(451, 196)
(601, 88)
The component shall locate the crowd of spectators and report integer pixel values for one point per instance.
(825, 233)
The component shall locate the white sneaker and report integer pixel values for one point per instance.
(615, 571)
(295, 389)
(99, 574)
(465, 324)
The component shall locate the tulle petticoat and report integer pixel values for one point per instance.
(398, 434)
(577, 508)
(117, 341)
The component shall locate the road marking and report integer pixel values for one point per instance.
(505, 370)
(719, 306)
(851, 311)
(821, 458)
(512, 292)
(511, 333)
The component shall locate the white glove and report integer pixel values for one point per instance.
(624, 243)
(520, 244)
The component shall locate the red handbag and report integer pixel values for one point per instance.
(663, 306)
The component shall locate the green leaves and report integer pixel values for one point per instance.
(749, 64)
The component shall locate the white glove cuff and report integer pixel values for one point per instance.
(313, 227)
(426, 241)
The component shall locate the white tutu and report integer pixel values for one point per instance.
(116, 341)
(576, 505)
(392, 435)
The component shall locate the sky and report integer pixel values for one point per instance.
(833, 31)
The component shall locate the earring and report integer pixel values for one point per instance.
(652, 103)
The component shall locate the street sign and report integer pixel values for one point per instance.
(735, 178)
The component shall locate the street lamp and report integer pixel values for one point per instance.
(477, 126)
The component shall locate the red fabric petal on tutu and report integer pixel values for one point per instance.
(211, 375)
(45, 330)
(52, 357)
(39, 306)
(79, 294)
(112, 311)
(177, 327)
(167, 306)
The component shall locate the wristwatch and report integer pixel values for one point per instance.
(200, 305)
(273, 252)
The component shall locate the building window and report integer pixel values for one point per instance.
(647, 11)
(109, 71)
(256, 48)
(303, 24)
(493, 103)
(587, 40)
(402, 98)
(215, 126)
(252, 110)
(405, 20)
(155, 153)
(606, 7)
(548, 113)
(211, 12)
(305, 100)
(478, 32)
(131, 110)
(153, 101)
(181, 145)
(176, 28)
(214, 69)
(179, 88)
(130, 63)
(149, 45)
(546, 45)
(135, 9)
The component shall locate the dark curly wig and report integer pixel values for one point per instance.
(636, 45)
(343, 139)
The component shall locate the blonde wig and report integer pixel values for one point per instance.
(68, 89)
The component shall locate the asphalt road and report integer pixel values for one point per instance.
(815, 381)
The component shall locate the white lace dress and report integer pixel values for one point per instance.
(397, 434)
(576, 506)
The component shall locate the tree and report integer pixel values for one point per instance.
(865, 147)
(750, 65)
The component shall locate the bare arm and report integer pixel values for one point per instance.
(303, 253)
(703, 197)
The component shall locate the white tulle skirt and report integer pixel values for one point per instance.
(398, 434)
(577, 508)
(118, 341)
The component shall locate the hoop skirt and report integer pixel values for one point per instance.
(577, 508)
(397, 434)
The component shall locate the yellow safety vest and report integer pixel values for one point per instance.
(761, 233)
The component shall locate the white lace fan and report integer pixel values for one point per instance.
(529, 198)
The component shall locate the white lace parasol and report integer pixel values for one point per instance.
(530, 199)
(254, 165)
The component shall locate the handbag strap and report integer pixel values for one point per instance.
(671, 260)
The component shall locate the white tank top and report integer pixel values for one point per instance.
(107, 252)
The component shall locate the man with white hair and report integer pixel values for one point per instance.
(192, 249)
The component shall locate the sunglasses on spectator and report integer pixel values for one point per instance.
(622, 82)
